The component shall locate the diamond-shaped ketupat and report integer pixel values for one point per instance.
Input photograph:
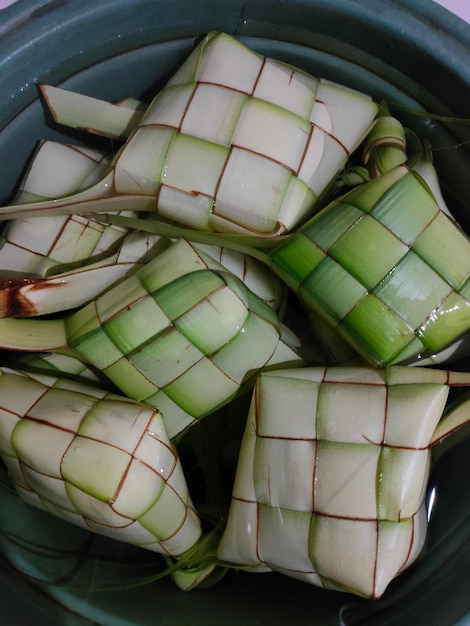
(332, 473)
(243, 143)
(386, 267)
(97, 460)
(182, 334)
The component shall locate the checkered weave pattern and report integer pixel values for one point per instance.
(332, 474)
(392, 276)
(37, 246)
(97, 460)
(236, 142)
(183, 340)
(255, 275)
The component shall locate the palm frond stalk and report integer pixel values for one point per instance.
(63, 291)
(56, 365)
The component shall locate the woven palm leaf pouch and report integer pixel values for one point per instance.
(331, 479)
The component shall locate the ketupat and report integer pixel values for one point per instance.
(252, 143)
(332, 473)
(399, 265)
(60, 169)
(95, 459)
(46, 245)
